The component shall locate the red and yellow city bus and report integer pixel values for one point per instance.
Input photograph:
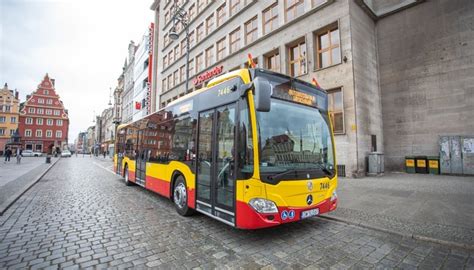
(253, 149)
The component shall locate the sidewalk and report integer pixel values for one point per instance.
(436, 207)
(15, 179)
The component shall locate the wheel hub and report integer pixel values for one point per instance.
(179, 195)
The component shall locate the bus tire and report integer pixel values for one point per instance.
(180, 196)
(125, 176)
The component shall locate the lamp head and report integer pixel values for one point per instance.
(173, 34)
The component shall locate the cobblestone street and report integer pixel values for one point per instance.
(81, 215)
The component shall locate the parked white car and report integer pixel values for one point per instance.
(31, 153)
(66, 153)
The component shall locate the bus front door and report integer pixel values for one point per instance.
(215, 167)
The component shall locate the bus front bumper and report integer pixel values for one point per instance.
(248, 218)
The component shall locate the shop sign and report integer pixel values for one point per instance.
(207, 75)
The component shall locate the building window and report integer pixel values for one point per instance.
(183, 46)
(270, 18)
(2, 131)
(328, 50)
(336, 110)
(29, 121)
(199, 63)
(176, 77)
(27, 132)
(177, 53)
(191, 39)
(49, 111)
(234, 7)
(31, 110)
(165, 61)
(192, 12)
(164, 85)
(251, 30)
(181, 73)
(200, 5)
(3, 119)
(49, 122)
(191, 67)
(39, 121)
(46, 92)
(234, 40)
(40, 111)
(293, 9)
(49, 101)
(12, 132)
(49, 133)
(199, 32)
(170, 57)
(297, 58)
(59, 133)
(57, 112)
(210, 24)
(317, 3)
(170, 81)
(167, 17)
(39, 133)
(59, 122)
(221, 49)
(41, 100)
(166, 40)
(272, 61)
(221, 15)
(13, 120)
(209, 56)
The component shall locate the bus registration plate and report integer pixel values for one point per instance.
(309, 213)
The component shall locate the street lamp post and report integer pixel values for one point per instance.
(181, 15)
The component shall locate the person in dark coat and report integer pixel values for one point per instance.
(8, 154)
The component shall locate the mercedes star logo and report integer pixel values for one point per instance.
(309, 185)
(309, 199)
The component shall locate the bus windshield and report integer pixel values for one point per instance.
(294, 142)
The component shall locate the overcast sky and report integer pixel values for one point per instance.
(80, 43)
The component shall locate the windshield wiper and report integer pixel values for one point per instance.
(324, 169)
(278, 175)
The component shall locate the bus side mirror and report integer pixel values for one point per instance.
(263, 93)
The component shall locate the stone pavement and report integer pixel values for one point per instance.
(16, 178)
(434, 206)
(81, 216)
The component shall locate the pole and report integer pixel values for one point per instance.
(187, 59)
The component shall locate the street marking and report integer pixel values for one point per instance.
(107, 169)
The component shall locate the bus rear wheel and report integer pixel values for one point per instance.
(125, 177)
(180, 197)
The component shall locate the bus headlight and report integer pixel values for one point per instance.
(263, 206)
(334, 196)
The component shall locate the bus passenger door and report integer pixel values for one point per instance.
(215, 167)
(140, 161)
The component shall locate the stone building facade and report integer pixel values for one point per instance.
(127, 96)
(385, 88)
(9, 115)
(44, 121)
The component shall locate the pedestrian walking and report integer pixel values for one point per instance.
(8, 154)
(104, 154)
(19, 153)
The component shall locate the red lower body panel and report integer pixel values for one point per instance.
(248, 218)
(159, 186)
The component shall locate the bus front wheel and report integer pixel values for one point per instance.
(180, 197)
(125, 176)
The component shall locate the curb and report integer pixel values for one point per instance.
(4, 207)
(407, 235)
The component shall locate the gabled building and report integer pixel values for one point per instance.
(44, 121)
(9, 112)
